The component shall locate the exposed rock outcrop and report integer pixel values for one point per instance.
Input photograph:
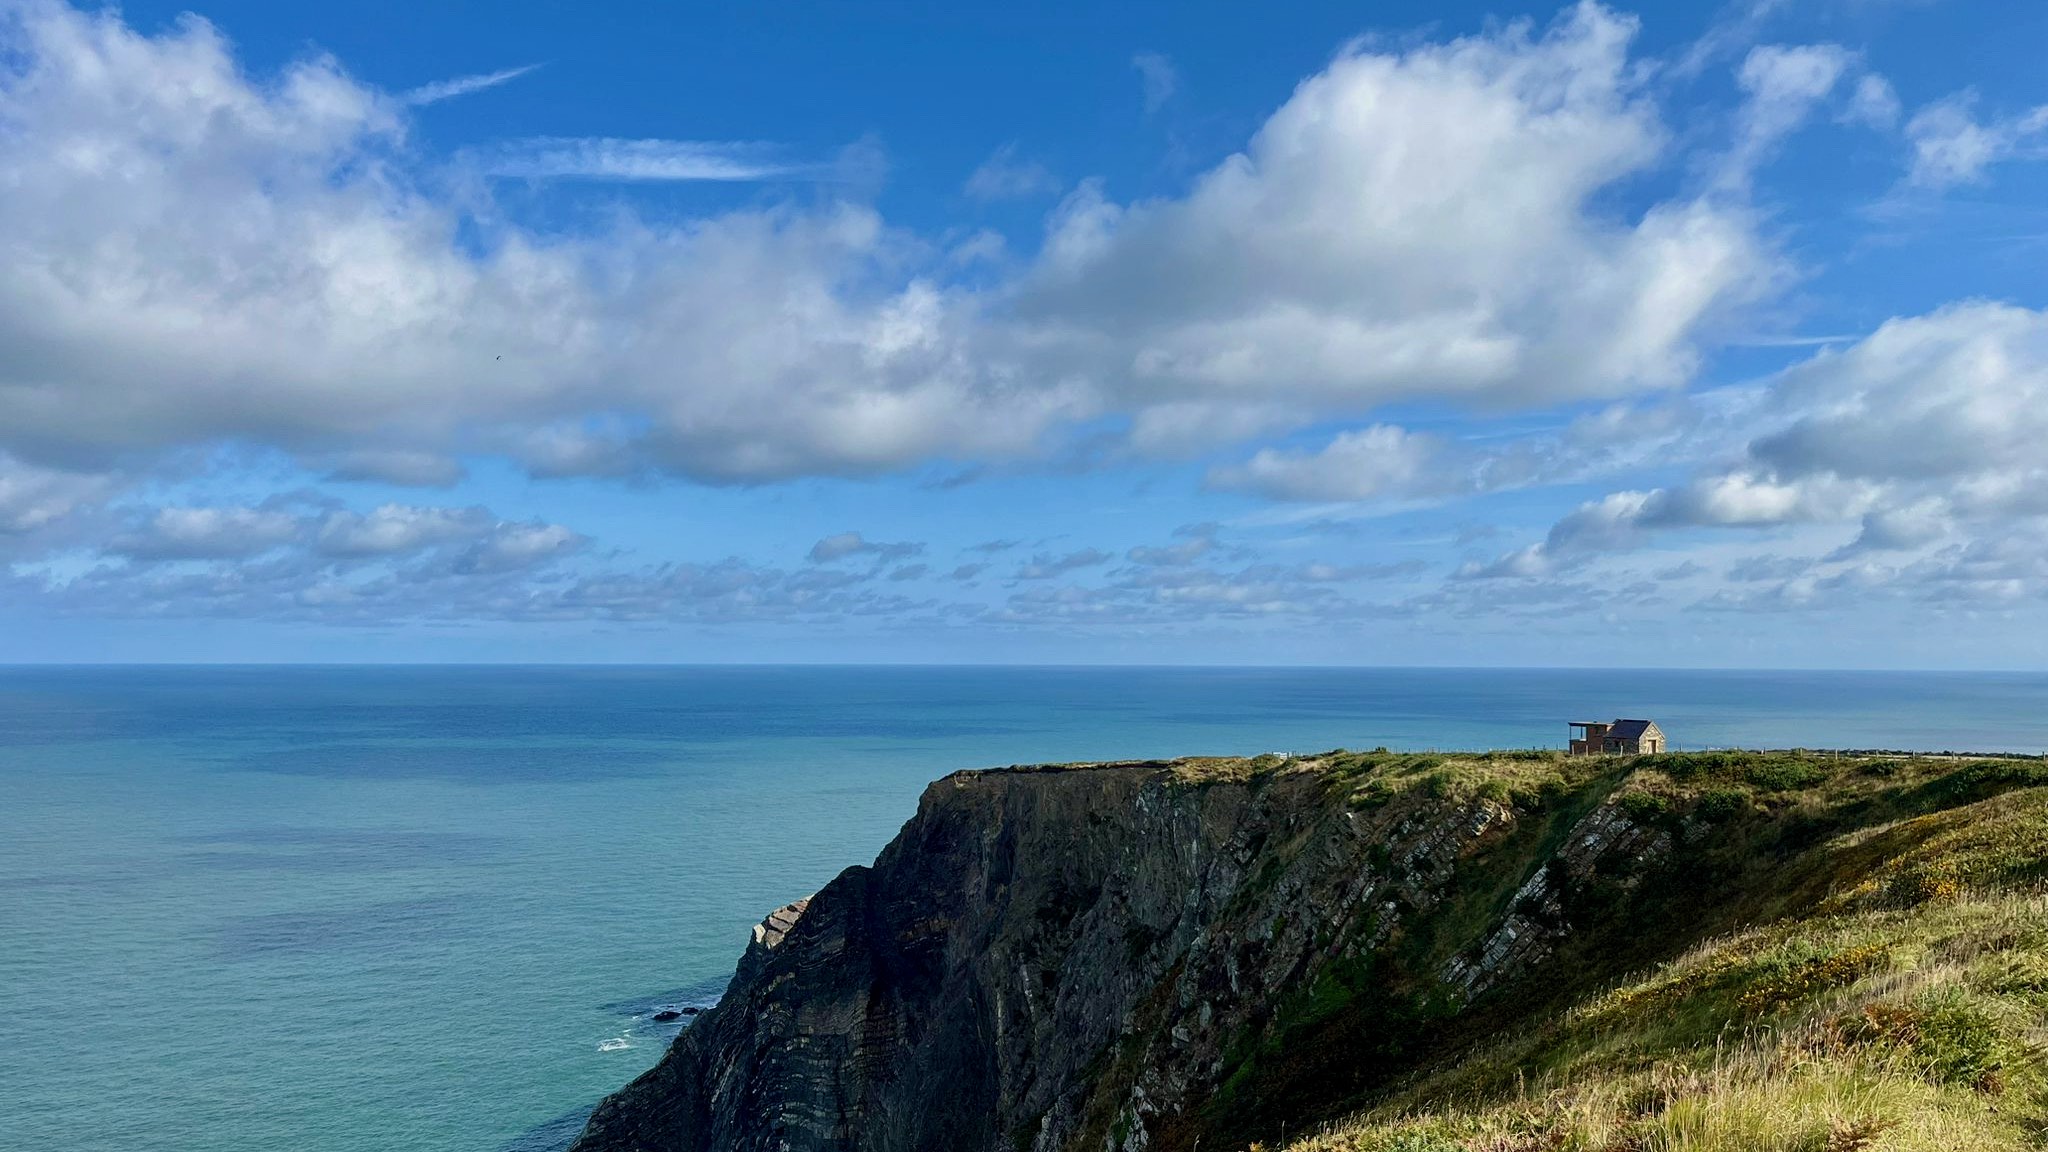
(1130, 957)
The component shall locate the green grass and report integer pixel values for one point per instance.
(1843, 953)
(1887, 990)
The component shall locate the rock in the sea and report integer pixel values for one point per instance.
(668, 1014)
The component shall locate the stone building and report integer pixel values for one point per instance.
(1617, 738)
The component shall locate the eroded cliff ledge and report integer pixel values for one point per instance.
(1144, 955)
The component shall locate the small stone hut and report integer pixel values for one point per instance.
(1615, 738)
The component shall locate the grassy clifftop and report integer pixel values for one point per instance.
(1874, 973)
(1388, 952)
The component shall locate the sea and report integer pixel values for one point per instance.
(435, 909)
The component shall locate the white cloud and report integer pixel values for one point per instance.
(605, 158)
(1412, 224)
(1903, 528)
(1951, 146)
(1925, 432)
(33, 498)
(1783, 85)
(1379, 461)
(1874, 104)
(1160, 77)
(291, 558)
(207, 534)
(845, 544)
(394, 529)
(1046, 566)
(393, 466)
(198, 257)
(1959, 393)
(1006, 176)
(1386, 465)
(441, 90)
(517, 547)
(1192, 542)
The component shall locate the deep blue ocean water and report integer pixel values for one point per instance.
(432, 909)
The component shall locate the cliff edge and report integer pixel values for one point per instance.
(1159, 955)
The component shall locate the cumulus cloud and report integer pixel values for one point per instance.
(1387, 464)
(1927, 429)
(1409, 224)
(201, 257)
(1952, 146)
(1382, 460)
(1191, 543)
(469, 539)
(845, 544)
(204, 258)
(394, 466)
(393, 529)
(207, 534)
(1046, 565)
(32, 498)
(1902, 528)
(293, 558)
(1960, 392)
(517, 547)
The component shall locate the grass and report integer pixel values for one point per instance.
(1840, 953)
(1522, 777)
(1888, 994)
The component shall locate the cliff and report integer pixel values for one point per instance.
(1156, 955)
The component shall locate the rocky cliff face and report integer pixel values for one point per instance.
(1139, 956)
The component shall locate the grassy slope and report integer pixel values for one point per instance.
(1877, 977)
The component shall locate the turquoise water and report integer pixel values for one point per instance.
(431, 909)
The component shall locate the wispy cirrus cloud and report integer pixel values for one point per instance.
(449, 89)
(611, 158)
(1008, 176)
(1161, 78)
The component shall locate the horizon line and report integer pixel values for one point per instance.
(1049, 666)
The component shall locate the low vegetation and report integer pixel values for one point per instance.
(1877, 981)
(1854, 958)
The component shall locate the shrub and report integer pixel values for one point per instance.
(1645, 807)
(1373, 794)
(1784, 775)
(1721, 803)
(1414, 1140)
(1958, 1042)
(1789, 978)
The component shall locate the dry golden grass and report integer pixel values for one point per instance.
(1907, 1014)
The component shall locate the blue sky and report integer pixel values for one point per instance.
(1685, 335)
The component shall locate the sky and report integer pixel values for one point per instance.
(1680, 335)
